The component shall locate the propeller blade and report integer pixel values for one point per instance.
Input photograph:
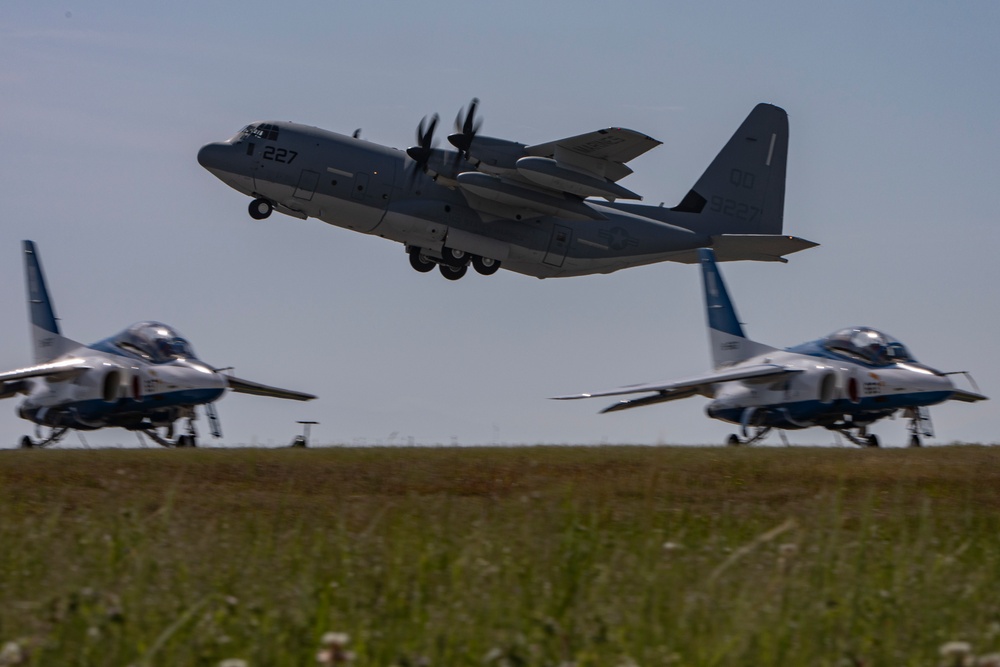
(465, 130)
(421, 153)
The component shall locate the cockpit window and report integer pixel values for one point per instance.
(155, 342)
(867, 345)
(266, 131)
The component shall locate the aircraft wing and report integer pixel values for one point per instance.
(614, 146)
(13, 382)
(677, 389)
(62, 369)
(967, 396)
(247, 387)
(553, 178)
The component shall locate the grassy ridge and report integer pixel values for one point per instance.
(500, 556)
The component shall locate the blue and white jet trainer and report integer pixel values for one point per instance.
(844, 382)
(547, 210)
(141, 379)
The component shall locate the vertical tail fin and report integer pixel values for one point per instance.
(727, 340)
(46, 340)
(743, 190)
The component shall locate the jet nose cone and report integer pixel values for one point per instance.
(212, 156)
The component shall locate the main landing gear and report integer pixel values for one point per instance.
(189, 439)
(453, 263)
(55, 436)
(759, 433)
(862, 437)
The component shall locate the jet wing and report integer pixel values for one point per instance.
(13, 382)
(57, 370)
(967, 396)
(247, 387)
(701, 384)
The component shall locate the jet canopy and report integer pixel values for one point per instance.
(153, 341)
(867, 345)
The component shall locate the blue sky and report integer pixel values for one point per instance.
(892, 167)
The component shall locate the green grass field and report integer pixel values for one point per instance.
(499, 556)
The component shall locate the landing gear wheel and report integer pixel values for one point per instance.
(484, 265)
(26, 443)
(420, 263)
(872, 441)
(733, 440)
(186, 441)
(453, 257)
(260, 208)
(452, 272)
(915, 441)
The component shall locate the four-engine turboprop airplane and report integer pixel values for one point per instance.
(141, 379)
(531, 208)
(843, 382)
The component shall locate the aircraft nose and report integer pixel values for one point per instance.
(214, 155)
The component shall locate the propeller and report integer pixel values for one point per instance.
(465, 130)
(421, 153)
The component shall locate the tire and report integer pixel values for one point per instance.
(420, 263)
(484, 265)
(915, 441)
(733, 440)
(260, 208)
(452, 272)
(453, 257)
(873, 441)
(26, 443)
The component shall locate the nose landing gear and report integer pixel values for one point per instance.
(260, 208)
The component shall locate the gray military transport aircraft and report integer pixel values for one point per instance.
(844, 382)
(140, 379)
(532, 209)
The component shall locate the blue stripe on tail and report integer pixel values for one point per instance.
(39, 305)
(719, 309)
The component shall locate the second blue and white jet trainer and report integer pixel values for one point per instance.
(844, 382)
(140, 379)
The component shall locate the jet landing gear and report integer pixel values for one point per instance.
(55, 436)
(759, 433)
(189, 439)
(260, 208)
(454, 264)
(862, 439)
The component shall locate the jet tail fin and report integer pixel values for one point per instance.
(46, 340)
(743, 190)
(729, 344)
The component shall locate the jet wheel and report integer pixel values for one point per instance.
(26, 443)
(453, 272)
(420, 263)
(484, 265)
(733, 440)
(872, 441)
(915, 441)
(186, 441)
(260, 208)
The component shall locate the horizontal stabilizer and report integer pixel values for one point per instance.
(752, 247)
(247, 387)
